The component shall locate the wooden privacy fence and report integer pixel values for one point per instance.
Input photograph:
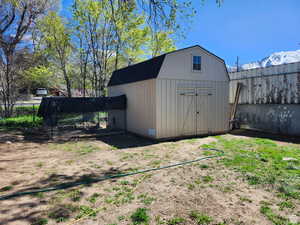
(269, 99)
(271, 85)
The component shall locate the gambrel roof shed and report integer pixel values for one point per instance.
(180, 93)
(145, 70)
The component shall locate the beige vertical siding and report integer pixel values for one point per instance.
(140, 114)
(168, 112)
(175, 75)
(157, 109)
(178, 65)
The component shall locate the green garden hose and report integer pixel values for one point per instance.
(93, 180)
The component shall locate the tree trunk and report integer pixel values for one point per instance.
(8, 97)
(68, 83)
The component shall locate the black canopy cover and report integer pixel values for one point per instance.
(59, 105)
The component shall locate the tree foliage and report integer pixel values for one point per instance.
(17, 17)
(80, 51)
(57, 39)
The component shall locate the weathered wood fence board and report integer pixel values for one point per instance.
(269, 99)
(272, 85)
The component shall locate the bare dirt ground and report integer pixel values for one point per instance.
(206, 186)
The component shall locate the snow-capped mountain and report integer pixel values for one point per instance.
(276, 58)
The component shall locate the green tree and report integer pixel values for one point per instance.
(38, 76)
(17, 18)
(161, 43)
(57, 38)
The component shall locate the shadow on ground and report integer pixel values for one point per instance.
(116, 138)
(31, 210)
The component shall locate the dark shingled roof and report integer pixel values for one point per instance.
(145, 70)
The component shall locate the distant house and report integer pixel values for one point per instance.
(180, 93)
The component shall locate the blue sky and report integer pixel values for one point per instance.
(250, 29)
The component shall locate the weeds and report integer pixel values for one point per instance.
(204, 166)
(245, 199)
(40, 221)
(175, 221)
(274, 218)
(6, 188)
(200, 218)
(207, 179)
(75, 195)
(286, 204)
(121, 218)
(140, 216)
(123, 195)
(62, 213)
(86, 211)
(93, 198)
(39, 164)
(147, 200)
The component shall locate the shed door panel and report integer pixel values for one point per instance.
(186, 109)
(204, 112)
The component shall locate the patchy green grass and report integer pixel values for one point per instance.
(25, 121)
(175, 221)
(122, 193)
(146, 199)
(62, 213)
(93, 198)
(6, 188)
(200, 218)
(261, 161)
(80, 148)
(26, 109)
(207, 179)
(273, 217)
(40, 221)
(286, 205)
(140, 216)
(86, 211)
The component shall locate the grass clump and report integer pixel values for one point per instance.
(200, 218)
(75, 195)
(286, 204)
(204, 166)
(39, 221)
(121, 194)
(140, 216)
(93, 198)
(86, 211)
(62, 213)
(6, 188)
(274, 218)
(207, 179)
(175, 221)
(147, 200)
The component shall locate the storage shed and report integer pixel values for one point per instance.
(180, 93)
